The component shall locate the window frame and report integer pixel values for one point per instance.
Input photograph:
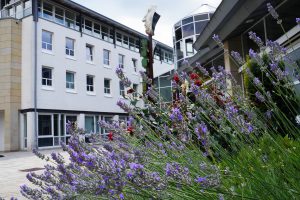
(134, 62)
(68, 50)
(89, 49)
(47, 79)
(121, 89)
(68, 83)
(107, 90)
(48, 46)
(121, 60)
(90, 87)
(106, 61)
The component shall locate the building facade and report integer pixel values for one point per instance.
(186, 32)
(58, 60)
(232, 22)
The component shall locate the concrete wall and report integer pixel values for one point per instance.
(10, 81)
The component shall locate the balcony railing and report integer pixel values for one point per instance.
(14, 13)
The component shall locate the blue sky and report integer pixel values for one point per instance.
(131, 13)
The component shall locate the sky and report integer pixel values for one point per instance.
(131, 13)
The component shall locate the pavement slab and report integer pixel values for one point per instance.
(13, 167)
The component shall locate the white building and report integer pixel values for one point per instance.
(62, 60)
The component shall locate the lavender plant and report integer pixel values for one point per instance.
(210, 143)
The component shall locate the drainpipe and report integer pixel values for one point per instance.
(35, 19)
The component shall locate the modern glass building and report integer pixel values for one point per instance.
(187, 30)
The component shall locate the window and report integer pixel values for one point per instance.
(45, 127)
(89, 53)
(47, 11)
(104, 32)
(122, 89)
(45, 134)
(134, 64)
(59, 15)
(119, 39)
(70, 19)
(107, 119)
(47, 40)
(131, 44)
(90, 83)
(135, 88)
(88, 26)
(106, 86)
(189, 47)
(106, 57)
(70, 47)
(46, 76)
(97, 30)
(125, 41)
(70, 80)
(70, 119)
(121, 61)
(89, 124)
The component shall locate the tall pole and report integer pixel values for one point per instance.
(150, 63)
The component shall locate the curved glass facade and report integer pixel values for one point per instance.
(185, 33)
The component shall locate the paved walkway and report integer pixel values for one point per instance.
(10, 175)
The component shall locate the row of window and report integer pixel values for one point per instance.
(106, 33)
(52, 128)
(47, 43)
(72, 20)
(47, 80)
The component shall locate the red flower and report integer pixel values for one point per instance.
(176, 78)
(198, 82)
(130, 130)
(130, 91)
(110, 136)
(194, 76)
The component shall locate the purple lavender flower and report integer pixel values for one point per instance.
(256, 39)
(200, 180)
(252, 53)
(124, 80)
(124, 106)
(260, 97)
(298, 21)
(257, 82)
(202, 69)
(237, 57)
(195, 89)
(268, 114)
(176, 115)
(273, 12)
(217, 39)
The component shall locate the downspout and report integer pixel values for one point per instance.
(35, 19)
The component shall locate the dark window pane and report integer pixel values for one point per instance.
(178, 34)
(45, 142)
(200, 26)
(187, 20)
(201, 17)
(62, 125)
(44, 125)
(164, 81)
(55, 123)
(166, 94)
(188, 30)
(179, 51)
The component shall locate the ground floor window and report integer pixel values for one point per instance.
(52, 129)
